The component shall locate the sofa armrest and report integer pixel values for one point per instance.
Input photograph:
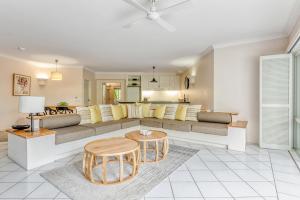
(238, 124)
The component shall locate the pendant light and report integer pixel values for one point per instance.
(153, 79)
(56, 76)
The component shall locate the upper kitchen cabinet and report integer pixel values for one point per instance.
(164, 82)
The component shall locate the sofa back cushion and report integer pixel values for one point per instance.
(124, 110)
(117, 112)
(181, 112)
(95, 114)
(159, 112)
(60, 121)
(214, 117)
(191, 112)
(106, 113)
(135, 111)
(85, 114)
(170, 112)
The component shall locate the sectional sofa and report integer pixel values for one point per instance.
(72, 132)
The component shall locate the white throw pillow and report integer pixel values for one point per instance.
(170, 112)
(134, 111)
(191, 112)
(106, 113)
(85, 114)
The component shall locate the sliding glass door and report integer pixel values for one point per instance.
(297, 102)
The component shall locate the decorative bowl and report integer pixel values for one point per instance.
(145, 132)
(20, 127)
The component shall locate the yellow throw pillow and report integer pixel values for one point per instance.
(95, 114)
(117, 112)
(124, 110)
(159, 112)
(146, 109)
(181, 112)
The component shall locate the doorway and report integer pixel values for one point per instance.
(110, 91)
(87, 93)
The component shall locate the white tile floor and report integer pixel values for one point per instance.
(212, 174)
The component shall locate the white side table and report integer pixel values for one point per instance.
(31, 149)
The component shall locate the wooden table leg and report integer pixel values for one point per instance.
(83, 163)
(104, 161)
(91, 162)
(145, 151)
(121, 167)
(134, 163)
(157, 151)
(165, 148)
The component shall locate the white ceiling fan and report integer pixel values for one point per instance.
(154, 14)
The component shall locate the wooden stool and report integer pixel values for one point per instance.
(122, 149)
(156, 137)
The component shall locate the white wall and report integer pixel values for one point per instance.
(236, 80)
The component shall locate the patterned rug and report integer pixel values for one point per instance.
(70, 180)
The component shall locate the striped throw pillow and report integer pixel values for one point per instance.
(134, 111)
(170, 112)
(106, 113)
(85, 114)
(191, 112)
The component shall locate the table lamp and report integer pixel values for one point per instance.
(32, 105)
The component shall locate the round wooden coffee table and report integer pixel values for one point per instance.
(156, 137)
(111, 150)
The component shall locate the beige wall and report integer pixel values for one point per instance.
(70, 89)
(236, 80)
(201, 92)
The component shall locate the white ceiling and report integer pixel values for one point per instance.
(90, 33)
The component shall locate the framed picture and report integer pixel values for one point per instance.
(21, 85)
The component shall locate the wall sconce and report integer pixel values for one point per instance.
(42, 79)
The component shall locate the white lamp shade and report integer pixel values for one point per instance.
(31, 104)
(56, 76)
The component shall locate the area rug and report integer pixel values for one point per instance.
(69, 179)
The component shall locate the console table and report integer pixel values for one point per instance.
(31, 149)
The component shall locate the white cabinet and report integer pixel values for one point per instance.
(164, 82)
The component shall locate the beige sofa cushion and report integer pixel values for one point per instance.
(106, 113)
(60, 121)
(72, 133)
(127, 123)
(215, 117)
(210, 128)
(85, 114)
(105, 127)
(170, 112)
(135, 111)
(151, 122)
(191, 112)
(177, 125)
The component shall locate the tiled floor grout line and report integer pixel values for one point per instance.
(215, 176)
(171, 187)
(273, 175)
(253, 170)
(294, 161)
(33, 190)
(241, 178)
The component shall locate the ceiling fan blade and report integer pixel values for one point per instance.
(137, 5)
(165, 24)
(129, 25)
(173, 6)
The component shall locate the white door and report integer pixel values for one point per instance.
(87, 92)
(276, 96)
